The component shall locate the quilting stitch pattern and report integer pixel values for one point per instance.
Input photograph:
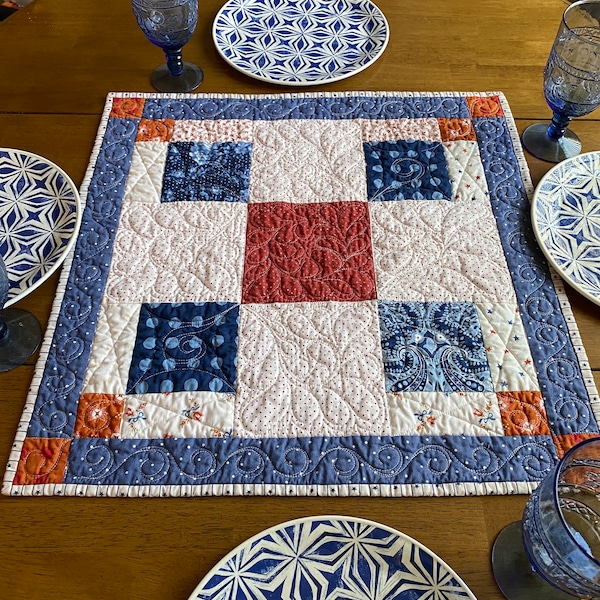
(221, 334)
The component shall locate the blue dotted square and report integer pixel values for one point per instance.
(406, 170)
(203, 171)
(189, 346)
(433, 347)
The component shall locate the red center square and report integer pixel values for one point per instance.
(308, 253)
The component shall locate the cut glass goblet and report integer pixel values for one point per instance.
(571, 82)
(170, 24)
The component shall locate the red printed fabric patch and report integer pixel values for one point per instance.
(43, 460)
(308, 253)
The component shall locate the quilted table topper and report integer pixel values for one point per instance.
(304, 294)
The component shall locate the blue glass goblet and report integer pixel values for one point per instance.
(20, 331)
(170, 24)
(571, 83)
(554, 552)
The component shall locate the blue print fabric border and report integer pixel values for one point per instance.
(441, 411)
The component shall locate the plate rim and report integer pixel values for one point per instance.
(265, 79)
(78, 217)
(537, 230)
(328, 517)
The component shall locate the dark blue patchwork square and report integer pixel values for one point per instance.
(190, 346)
(433, 347)
(203, 171)
(407, 170)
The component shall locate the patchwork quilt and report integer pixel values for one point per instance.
(304, 294)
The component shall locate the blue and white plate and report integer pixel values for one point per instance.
(300, 42)
(39, 218)
(331, 557)
(566, 221)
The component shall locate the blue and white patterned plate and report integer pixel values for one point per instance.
(331, 557)
(39, 218)
(566, 221)
(300, 42)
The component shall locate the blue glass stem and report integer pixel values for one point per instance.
(3, 331)
(557, 128)
(174, 62)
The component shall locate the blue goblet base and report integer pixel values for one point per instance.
(189, 80)
(537, 141)
(22, 339)
(512, 569)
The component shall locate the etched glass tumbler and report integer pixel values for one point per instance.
(571, 82)
(560, 533)
(170, 24)
(20, 331)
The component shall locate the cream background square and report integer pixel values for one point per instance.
(155, 416)
(465, 170)
(307, 161)
(178, 252)
(509, 355)
(425, 250)
(110, 357)
(469, 413)
(310, 369)
(386, 130)
(144, 180)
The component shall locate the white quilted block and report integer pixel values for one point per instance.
(178, 252)
(310, 369)
(438, 251)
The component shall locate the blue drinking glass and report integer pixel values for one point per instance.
(571, 82)
(170, 24)
(20, 331)
(554, 551)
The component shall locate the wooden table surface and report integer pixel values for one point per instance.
(59, 60)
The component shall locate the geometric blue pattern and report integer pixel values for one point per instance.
(407, 170)
(433, 346)
(202, 171)
(330, 558)
(189, 346)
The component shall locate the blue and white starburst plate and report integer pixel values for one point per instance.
(566, 221)
(300, 42)
(331, 557)
(39, 218)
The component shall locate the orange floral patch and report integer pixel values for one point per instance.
(488, 106)
(160, 130)
(453, 130)
(565, 442)
(43, 460)
(99, 415)
(523, 413)
(127, 108)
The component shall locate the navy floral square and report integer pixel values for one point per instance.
(218, 171)
(185, 346)
(433, 346)
(407, 170)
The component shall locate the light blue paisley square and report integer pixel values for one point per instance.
(218, 171)
(187, 346)
(433, 346)
(407, 170)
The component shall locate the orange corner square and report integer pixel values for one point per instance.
(484, 106)
(127, 108)
(160, 130)
(99, 415)
(523, 413)
(565, 442)
(43, 460)
(453, 130)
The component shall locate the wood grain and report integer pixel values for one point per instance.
(61, 59)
